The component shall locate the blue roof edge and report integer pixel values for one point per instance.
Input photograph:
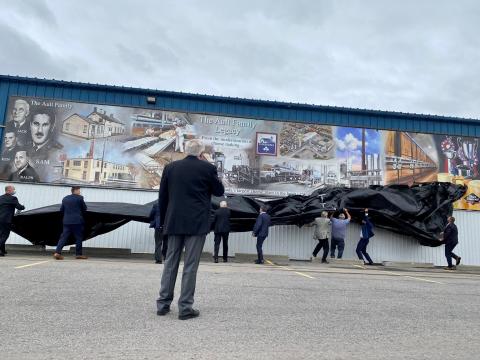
(243, 101)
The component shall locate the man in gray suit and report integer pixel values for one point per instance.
(184, 202)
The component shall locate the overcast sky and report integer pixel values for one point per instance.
(410, 56)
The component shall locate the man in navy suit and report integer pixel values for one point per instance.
(73, 210)
(260, 231)
(450, 239)
(185, 197)
(8, 204)
(161, 240)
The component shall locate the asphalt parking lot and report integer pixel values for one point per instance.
(105, 309)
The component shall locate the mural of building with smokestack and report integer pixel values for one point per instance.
(92, 170)
(358, 152)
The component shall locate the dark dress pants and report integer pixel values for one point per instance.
(75, 230)
(340, 243)
(449, 253)
(322, 243)
(193, 245)
(260, 240)
(362, 250)
(217, 239)
(161, 245)
(4, 234)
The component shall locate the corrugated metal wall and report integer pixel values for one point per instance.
(291, 241)
(297, 243)
(257, 109)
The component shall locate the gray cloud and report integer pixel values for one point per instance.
(405, 56)
(21, 55)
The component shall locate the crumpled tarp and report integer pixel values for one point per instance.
(419, 211)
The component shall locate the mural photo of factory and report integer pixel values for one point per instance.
(358, 156)
(306, 141)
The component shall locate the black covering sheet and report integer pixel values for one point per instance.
(419, 211)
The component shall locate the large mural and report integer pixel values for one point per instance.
(52, 141)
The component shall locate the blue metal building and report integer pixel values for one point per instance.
(290, 241)
(226, 106)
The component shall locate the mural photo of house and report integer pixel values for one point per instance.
(96, 125)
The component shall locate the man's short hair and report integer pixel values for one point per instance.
(44, 111)
(194, 147)
(10, 128)
(452, 219)
(264, 208)
(8, 187)
(75, 188)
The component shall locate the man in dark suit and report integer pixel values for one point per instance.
(450, 239)
(19, 117)
(160, 239)
(8, 204)
(9, 150)
(24, 172)
(73, 210)
(185, 202)
(221, 230)
(260, 231)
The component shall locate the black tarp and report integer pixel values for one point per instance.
(419, 211)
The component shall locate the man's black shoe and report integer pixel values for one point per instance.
(457, 260)
(2, 254)
(163, 311)
(325, 262)
(158, 262)
(215, 260)
(189, 315)
(259, 262)
(225, 260)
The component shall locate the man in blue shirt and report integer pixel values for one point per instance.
(260, 231)
(365, 234)
(339, 228)
(73, 210)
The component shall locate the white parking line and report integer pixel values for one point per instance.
(407, 276)
(33, 264)
(286, 268)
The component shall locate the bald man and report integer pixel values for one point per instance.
(8, 204)
(24, 172)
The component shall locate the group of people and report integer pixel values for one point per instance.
(221, 229)
(181, 222)
(28, 141)
(334, 228)
(73, 211)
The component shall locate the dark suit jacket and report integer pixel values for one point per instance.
(185, 196)
(222, 221)
(73, 209)
(450, 234)
(8, 204)
(27, 174)
(261, 225)
(155, 217)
